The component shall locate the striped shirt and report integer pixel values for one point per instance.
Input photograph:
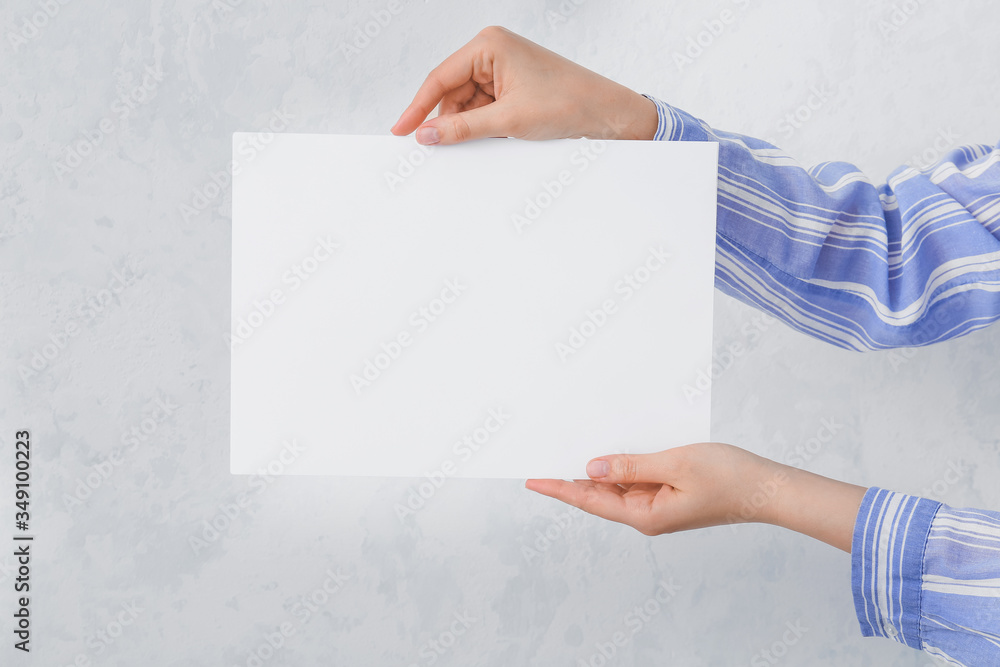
(928, 576)
(908, 263)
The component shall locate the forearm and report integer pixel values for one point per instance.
(817, 506)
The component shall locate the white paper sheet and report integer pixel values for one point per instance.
(501, 308)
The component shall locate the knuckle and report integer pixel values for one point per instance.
(625, 469)
(434, 82)
(587, 501)
(680, 459)
(460, 129)
(493, 32)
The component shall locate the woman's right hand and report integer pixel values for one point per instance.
(501, 84)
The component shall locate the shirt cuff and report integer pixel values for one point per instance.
(887, 563)
(667, 119)
(676, 125)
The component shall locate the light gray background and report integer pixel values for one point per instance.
(228, 66)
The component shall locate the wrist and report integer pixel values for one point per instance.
(632, 116)
(645, 117)
(766, 500)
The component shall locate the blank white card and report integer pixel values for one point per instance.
(500, 308)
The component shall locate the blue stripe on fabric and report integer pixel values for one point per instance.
(911, 262)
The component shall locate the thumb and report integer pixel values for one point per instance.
(630, 468)
(488, 120)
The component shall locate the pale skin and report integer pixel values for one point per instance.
(710, 484)
(503, 85)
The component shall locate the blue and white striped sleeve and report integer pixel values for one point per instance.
(908, 263)
(928, 576)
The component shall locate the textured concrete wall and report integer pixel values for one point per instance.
(114, 263)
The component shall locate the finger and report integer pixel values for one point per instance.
(536, 484)
(481, 97)
(632, 468)
(453, 103)
(458, 100)
(614, 488)
(546, 487)
(486, 121)
(647, 487)
(597, 499)
(456, 70)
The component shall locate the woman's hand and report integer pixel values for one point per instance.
(501, 84)
(710, 484)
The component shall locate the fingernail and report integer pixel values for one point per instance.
(428, 135)
(598, 468)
